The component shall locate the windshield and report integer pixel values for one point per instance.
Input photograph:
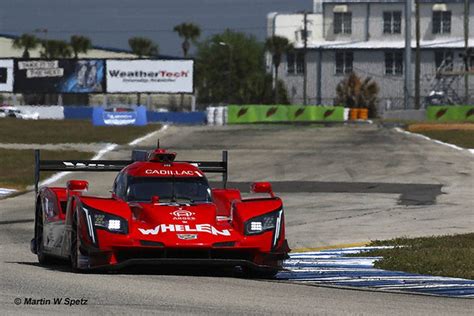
(187, 190)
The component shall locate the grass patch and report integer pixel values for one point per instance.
(462, 138)
(450, 255)
(68, 131)
(17, 166)
(460, 134)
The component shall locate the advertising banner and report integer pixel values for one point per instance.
(59, 76)
(119, 116)
(6, 75)
(149, 76)
(450, 113)
(241, 114)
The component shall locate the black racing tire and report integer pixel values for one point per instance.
(43, 258)
(74, 251)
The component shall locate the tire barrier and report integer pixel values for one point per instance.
(450, 113)
(332, 267)
(245, 114)
(216, 115)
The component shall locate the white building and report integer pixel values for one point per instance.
(368, 37)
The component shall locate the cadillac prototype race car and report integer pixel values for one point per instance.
(161, 211)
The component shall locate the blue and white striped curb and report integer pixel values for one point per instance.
(330, 267)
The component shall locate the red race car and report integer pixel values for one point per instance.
(161, 212)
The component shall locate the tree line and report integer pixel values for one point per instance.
(230, 66)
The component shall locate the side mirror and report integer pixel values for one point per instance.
(262, 187)
(77, 185)
(155, 199)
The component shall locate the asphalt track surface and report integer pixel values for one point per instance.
(363, 165)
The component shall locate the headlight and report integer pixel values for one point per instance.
(112, 223)
(260, 224)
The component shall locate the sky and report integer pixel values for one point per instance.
(110, 23)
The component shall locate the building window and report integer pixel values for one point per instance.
(394, 63)
(295, 62)
(392, 22)
(444, 59)
(344, 62)
(342, 22)
(441, 22)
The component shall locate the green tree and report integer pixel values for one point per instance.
(55, 49)
(355, 92)
(80, 44)
(230, 68)
(26, 42)
(142, 46)
(277, 46)
(190, 33)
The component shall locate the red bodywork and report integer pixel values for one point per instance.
(157, 232)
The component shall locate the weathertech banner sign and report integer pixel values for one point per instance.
(59, 76)
(149, 76)
(6, 75)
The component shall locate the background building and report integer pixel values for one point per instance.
(368, 37)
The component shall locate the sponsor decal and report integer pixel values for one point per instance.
(470, 113)
(183, 215)
(199, 228)
(187, 236)
(242, 112)
(328, 113)
(272, 111)
(85, 165)
(299, 112)
(440, 113)
(163, 172)
(149, 75)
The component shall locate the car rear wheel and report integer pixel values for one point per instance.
(74, 251)
(43, 258)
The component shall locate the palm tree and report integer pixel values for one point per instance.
(26, 42)
(277, 46)
(142, 46)
(80, 44)
(56, 49)
(189, 32)
(355, 92)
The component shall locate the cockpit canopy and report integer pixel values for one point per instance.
(168, 189)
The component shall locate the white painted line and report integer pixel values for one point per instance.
(398, 129)
(147, 136)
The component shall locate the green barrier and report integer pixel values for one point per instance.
(316, 114)
(244, 114)
(450, 113)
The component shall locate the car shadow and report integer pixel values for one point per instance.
(194, 271)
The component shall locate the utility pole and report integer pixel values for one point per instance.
(305, 73)
(407, 86)
(466, 50)
(417, 55)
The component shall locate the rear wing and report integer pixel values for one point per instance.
(117, 165)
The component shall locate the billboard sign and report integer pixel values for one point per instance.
(149, 76)
(6, 75)
(59, 76)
